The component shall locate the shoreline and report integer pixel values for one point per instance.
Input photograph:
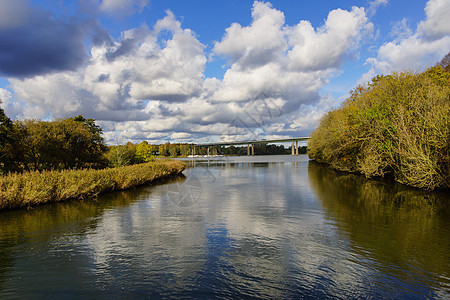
(385, 178)
(31, 189)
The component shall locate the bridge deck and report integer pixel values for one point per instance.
(252, 142)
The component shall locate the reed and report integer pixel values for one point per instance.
(34, 188)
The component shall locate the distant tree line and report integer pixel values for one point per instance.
(129, 153)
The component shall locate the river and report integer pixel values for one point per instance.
(241, 227)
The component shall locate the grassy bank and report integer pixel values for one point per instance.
(34, 188)
(397, 125)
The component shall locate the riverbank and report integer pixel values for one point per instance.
(397, 126)
(34, 188)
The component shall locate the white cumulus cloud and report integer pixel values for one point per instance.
(324, 47)
(413, 50)
(149, 84)
(120, 76)
(437, 23)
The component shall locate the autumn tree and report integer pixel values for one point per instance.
(396, 125)
(6, 128)
(144, 152)
(121, 155)
(445, 62)
(59, 144)
(164, 149)
(173, 150)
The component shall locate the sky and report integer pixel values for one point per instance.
(206, 71)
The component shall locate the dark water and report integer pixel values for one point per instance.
(269, 227)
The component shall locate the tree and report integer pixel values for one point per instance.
(6, 140)
(121, 155)
(445, 62)
(173, 150)
(43, 145)
(5, 127)
(164, 149)
(144, 152)
(185, 149)
(59, 144)
(94, 145)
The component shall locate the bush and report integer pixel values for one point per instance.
(397, 125)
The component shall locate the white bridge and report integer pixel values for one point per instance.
(250, 144)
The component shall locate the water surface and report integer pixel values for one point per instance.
(268, 227)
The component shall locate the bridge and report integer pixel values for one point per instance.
(250, 144)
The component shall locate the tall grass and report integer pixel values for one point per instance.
(398, 125)
(33, 188)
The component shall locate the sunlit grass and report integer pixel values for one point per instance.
(34, 188)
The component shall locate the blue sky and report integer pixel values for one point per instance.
(193, 71)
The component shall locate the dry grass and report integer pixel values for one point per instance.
(34, 188)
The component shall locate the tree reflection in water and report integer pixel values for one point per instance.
(388, 222)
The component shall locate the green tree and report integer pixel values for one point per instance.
(121, 155)
(144, 152)
(6, 140)
(173, 150)
(86, 142)
(164, 149)
(185, 149)
(59, 144)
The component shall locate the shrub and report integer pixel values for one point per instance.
(397, 125)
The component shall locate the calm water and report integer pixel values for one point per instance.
(270, 227)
